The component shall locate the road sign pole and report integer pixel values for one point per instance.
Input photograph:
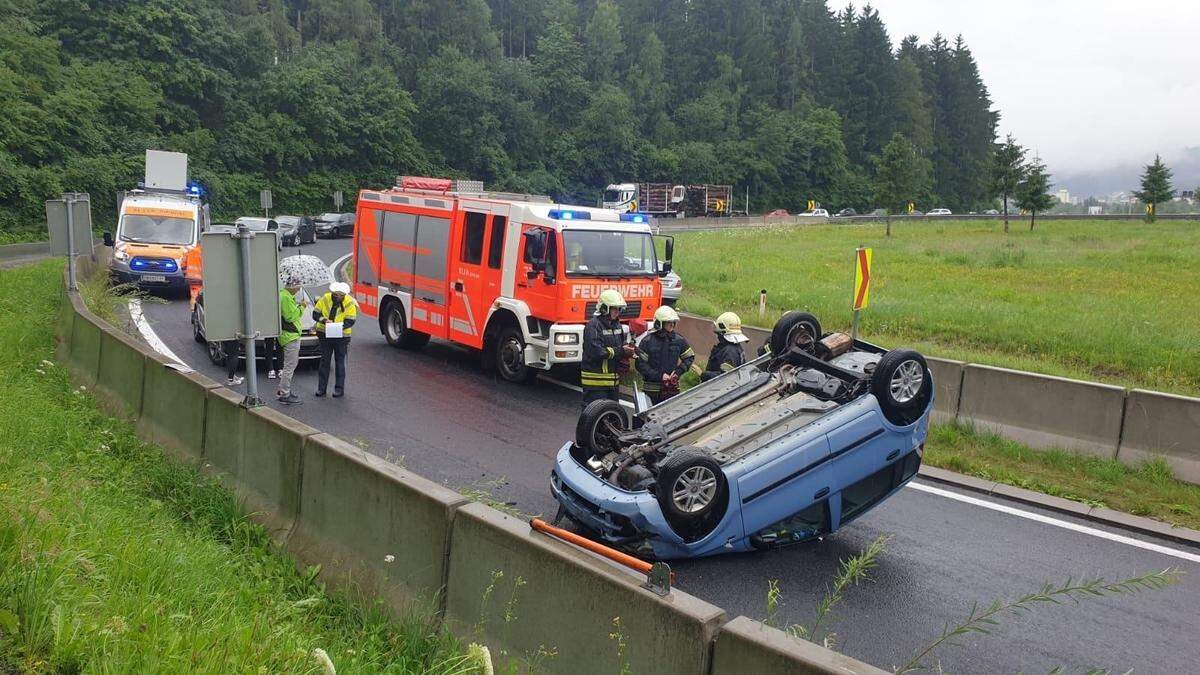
(249, 334)
(69, 199)
(854, 325)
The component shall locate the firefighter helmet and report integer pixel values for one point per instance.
(663, 315)
(729, 326)
(609, 298)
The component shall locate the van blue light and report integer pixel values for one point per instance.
(635, 218)
(562, 214)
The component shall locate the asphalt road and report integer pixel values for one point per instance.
(435, 412)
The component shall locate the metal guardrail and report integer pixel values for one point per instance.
(700, 224)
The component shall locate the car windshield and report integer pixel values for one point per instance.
(598, 253)
(157, 229)
(612, 195)
(329, 216)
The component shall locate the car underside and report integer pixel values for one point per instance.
(751, 435)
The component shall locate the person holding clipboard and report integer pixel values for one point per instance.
(335, 314)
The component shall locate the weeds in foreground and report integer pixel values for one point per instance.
(982, 621)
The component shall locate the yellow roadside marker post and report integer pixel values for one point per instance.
(862, 286)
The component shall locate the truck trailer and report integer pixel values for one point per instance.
(670, 200)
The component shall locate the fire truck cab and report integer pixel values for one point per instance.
(514, 276)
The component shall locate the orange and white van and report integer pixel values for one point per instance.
(158, 224)
(515, 276)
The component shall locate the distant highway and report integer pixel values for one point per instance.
(435, 412)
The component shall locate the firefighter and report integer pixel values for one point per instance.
(604, 348)
(336, 306)
(727, 354)
(663, 356)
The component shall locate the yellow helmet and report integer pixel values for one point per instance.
(663, 315)
(729, 326)
(609, 298)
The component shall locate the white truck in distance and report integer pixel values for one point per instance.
(667, 199)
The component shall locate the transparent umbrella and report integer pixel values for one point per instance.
(303, 270)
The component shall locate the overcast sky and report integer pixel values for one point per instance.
(1085, 83)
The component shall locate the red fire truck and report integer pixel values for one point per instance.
(514, 276)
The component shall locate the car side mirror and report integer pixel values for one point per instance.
(108, 239)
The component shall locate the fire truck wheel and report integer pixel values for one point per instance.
(396, 330)
(510, 356)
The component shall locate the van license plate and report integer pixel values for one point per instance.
(154, 278)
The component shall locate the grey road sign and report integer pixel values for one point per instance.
(264, 199)
(337, 201)
(80, 218)
(224, 289)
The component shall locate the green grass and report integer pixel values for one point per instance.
(113, 559)
(1112, 301)
(1147, 490)
(22, 236)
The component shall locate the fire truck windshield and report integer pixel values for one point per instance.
(157, 229)
(609, 254)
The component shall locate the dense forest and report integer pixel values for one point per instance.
(788, 99)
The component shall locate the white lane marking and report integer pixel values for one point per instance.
(334, 265)
(148, 334)
(1184, 555)
(560, 383)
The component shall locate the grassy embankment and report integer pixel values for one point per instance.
(113, 559)
(1110, 301)
(1116, 302)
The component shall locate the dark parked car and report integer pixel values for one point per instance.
(845, 212)
(296, 230)
(335, 224)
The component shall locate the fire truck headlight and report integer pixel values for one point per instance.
(566, 338)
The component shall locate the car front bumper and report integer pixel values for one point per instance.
(631, 520)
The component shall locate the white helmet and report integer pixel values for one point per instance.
(729, 326)
(663, 315)
(340, 287)
(609, 298)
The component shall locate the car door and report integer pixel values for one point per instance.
(466, 283)
(787, 482)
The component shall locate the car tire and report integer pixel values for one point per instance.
(396, 331)
(599, 425)
(692, 491)
(795, 329)
(902, 385)
(216, 353)
(509, 356)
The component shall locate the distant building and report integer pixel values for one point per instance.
(1064, 196)
(1095, 210)
(1188, 196)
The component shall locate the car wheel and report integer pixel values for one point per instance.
(599, 427)
(509, 347)
(795, 329)
(216, 353)
(692, 491)
(902, 385)
(395, 329)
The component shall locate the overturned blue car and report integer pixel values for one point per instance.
(790, 446)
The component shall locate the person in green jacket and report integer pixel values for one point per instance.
(289, 339)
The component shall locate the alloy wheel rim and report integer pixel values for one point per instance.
(694, 489)
(906, 381)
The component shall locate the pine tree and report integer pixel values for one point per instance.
(1156, 187)
(604, 44)
(1008, 168)
(902, 176)
(1033, 192)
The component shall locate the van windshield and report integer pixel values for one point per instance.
(157, 229)
(609, 254)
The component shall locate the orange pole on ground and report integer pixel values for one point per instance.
(597, 548)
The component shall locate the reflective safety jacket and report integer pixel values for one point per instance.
(324, 311)
(725, 357)
(662, 353)
(603, 339)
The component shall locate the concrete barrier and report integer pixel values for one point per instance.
(1162, 425)
(1043, 411)
(947, 381)
(119, 379)
(173, 408)
(83, 356)
(747, 646)
(368, 522)
(525, 594)
(64, 324)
